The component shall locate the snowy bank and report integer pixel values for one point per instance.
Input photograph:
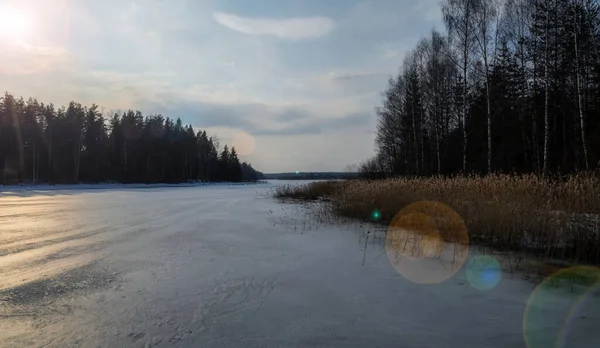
(8, 189)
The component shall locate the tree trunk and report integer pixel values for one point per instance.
(437, 151)
(521, 105)
(534, 132)
(37, 168)
(415, 139)
(149, 177)
(422, 143)
(5, 167)
(486, 12)
(33, 164)
(592, 32)
(78, 156)
(125, 155)
(50, 165)
(546, 94)
(488, 103)
(198, 169)
(464, 111)
(184, 169)
(464, 120)
(489, 130)
(579, 101)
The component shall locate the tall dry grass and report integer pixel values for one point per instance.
(555, 219)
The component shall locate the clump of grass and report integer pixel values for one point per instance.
(311, 191)
(554, 219)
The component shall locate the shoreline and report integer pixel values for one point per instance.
(4, 189)
(551, 223)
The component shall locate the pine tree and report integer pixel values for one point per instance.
(235, 168)
(224, 165)
(40, 143)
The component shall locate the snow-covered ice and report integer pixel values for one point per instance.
(229, 266)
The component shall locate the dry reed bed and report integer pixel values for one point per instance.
(549, 218)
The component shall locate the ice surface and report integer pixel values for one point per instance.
(229, 266)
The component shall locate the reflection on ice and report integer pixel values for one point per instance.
(39, 238)
(175, 266)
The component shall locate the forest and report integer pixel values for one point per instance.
(510, 87)
(43, 143)
(498, 118)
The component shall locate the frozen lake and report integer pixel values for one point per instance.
(229, 266)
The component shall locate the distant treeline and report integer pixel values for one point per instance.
(310, 176)
(510, 87)
(42, 143)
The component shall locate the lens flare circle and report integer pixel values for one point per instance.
(244, 143)
(555, 305)
(484, 272)
(427, 242)
(376, 215)
(575, 313)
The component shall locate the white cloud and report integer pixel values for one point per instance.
(23, 59)
(290, 28)
(349, 85)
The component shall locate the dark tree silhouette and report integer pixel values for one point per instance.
(519, 84)
(40, 143)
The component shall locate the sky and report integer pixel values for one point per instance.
(292, 83)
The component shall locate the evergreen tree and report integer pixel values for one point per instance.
(235, 168)
(40, 143)
(519, 84)
(224, 165)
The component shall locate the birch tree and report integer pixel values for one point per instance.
(459, 17)
(487, 18)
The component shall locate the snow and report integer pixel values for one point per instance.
(229, 266)
(42, 188)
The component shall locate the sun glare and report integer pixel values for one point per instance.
(15, 24)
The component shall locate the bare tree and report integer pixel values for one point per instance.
(487, 18)
(389, 127)
(531, 64)
(437, 76)
(576, 6)
(592, 26)
(546, 87)
(459, 18)
(517, 30)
